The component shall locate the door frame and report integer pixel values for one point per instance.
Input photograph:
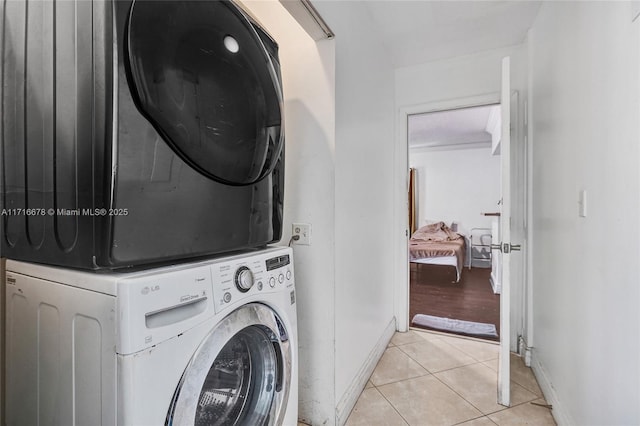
(401, 174)
(401, 222)
(401, 291)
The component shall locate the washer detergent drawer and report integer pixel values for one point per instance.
(160, 306)
(60, 362)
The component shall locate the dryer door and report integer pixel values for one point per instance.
(201, 74)
(240, 374)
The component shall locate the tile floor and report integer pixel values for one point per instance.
(428, 378)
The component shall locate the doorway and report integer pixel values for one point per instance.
(515, 193)
(454, 203)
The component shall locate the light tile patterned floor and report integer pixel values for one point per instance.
(428, 378)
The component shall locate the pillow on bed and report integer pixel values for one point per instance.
(435, 232)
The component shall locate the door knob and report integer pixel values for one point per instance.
(506, 247)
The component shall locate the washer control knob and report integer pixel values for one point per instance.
(244, 279)
(281, 278)
(227, 297)
(272, 282)
(288, 274)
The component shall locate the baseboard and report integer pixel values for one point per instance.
(560, 415)
(495, 284)
(351, 395)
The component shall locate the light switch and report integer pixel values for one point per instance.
(582, 203)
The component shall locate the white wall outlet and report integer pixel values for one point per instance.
(302, 230)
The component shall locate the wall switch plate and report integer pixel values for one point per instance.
(582, 203)
(302, 230)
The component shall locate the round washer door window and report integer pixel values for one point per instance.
(199, 72)
(240, 374)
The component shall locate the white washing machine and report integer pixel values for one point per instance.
(207, 343)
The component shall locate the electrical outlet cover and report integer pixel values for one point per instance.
(303, 230)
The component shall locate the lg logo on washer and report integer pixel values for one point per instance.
(146, 289)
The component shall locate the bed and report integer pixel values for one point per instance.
(437, 244)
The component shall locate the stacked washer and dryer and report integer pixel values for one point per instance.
(142, 183)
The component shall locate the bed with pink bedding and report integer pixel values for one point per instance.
(437, 244)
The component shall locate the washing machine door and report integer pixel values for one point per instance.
(204, 78)
(240, 375)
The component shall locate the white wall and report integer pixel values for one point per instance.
(585, 135)
(443, 85)
(457, 185)
(308, 82)
(345, 278)
(364, 182)
(458, 77)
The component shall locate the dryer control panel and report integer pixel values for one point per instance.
(250, 277)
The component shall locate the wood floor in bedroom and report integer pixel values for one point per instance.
(472, 299)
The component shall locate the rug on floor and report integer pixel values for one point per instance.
(455, 326)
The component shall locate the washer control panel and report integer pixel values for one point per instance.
(243, 277)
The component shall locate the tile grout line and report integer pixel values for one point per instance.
(466, 365)
(465, 352)
(465, 399)
(391, 404)
(443, 339)
(453, 368)
(447, 386)
(438, 379)
(428, 372)
(448, 369)
(484, 416)
(402, 380)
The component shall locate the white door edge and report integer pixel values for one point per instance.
(504, 360)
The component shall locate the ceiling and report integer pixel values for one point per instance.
(419, 31)
(454, 129)
(415, 32)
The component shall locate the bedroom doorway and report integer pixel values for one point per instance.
(453, 201)
(515, 205)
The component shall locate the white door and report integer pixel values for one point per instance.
(505, 248)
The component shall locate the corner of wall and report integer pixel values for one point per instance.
(308, 69)
(348, 400)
